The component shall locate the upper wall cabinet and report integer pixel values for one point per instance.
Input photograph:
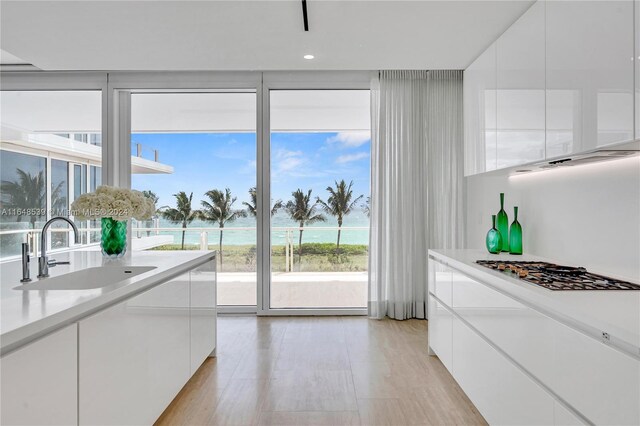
(521, 90)
(480, 113)
(589, 75)
(559, 81)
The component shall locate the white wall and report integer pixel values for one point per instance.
(585, 215)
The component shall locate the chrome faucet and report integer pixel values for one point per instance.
(43, 261)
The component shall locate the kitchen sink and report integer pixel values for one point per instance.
(86, 279)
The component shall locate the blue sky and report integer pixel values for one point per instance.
(216, 160)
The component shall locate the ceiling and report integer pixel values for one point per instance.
(252, 35)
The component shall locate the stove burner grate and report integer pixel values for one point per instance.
(558, 277)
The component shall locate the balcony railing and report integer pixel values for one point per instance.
(286, 236)
(141, 149)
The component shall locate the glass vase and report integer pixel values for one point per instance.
(114, 237)
(515, 234)
(494, 238)
(502, 223)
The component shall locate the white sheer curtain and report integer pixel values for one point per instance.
(416, 184)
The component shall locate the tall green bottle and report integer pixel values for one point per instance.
(494, 239)
(515, 234)
(502, 223)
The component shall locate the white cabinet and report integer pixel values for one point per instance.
(134, 356)
(479, 98)
(501, 392)
(440, 319)
(524, 334)
(589, 74)
(441, 281)
(440, 332)
(39, 381)
(203, 314)
(559, 81)
(521, 90)
(597, 380)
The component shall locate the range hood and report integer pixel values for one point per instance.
(596, 156)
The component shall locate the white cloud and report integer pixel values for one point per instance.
(348, 158)
(287, 161)
(289, 164)
(249, 168)
(351, 139)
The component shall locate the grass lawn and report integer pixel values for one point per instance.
(316, 257)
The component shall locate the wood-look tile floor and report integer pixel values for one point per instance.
(321, 371)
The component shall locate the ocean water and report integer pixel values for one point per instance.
(312, 233)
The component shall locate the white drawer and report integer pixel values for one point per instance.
(440, 323)
(440, 281)
(523, 333)
(503, 394)
(597, 380)
(600, 382)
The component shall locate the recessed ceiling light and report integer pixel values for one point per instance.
(308, 56)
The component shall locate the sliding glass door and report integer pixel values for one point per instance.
(194, 154)
(269, 169)
(319, 188)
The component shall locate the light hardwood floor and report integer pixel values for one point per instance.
(321, 371)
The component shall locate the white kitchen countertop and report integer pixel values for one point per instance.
(593, 312)
(28, 315)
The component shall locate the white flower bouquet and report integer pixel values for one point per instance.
(110, 202)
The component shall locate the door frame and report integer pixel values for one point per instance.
(116, 89)
(312, 80)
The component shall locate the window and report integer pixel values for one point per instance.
(59, 199)
(46, 159)
(23, 196)
(320, 150)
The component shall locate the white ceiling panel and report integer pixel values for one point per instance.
(252, 35)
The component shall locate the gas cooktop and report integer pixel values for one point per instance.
(557, 277)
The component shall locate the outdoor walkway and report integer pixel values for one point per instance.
(297, 289)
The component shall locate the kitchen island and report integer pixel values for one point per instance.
(117, 353)
(528, 355)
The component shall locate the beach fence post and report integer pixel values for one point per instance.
(204, 240)
(290, 244)
(286, 250)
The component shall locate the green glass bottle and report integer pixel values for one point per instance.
(503, 224)
(515, 234)
(494, 239)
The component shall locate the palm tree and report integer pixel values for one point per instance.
(366, 207)
(252, 205)
(182, 214)
(301, 210)
(219, 209)
(339, 204)
(153, 197)
(27, 192)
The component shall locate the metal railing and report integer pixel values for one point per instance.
(140, 148)
(32, 236)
